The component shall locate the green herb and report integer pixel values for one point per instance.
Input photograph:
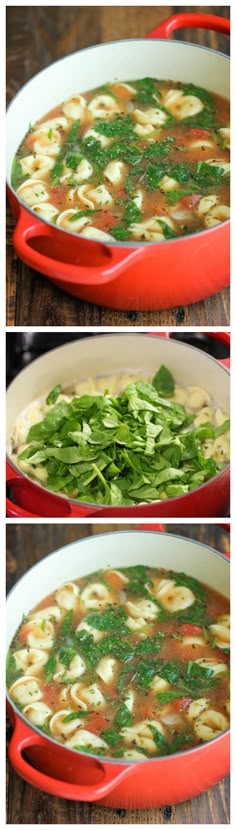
(111, 736)
(163, 382)
(203, 94)
(147, 91)
(139, 446)
(17, 175)
(111, 618)
(123, 716)
(73, 716)
(12, 673)
(222, 429)
(53, 395)
(117, 126)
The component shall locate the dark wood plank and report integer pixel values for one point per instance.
(26, 545)
(36, 36)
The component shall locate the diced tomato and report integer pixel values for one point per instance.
(182, 704)
(220, 654)
(192, 200)
(198, 133)
(188, 628)
(97, 723)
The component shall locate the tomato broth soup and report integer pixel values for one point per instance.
(130, 663)
(142, 161)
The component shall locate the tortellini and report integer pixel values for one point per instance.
(216, 667)
(182, 106)
(142, 735)
(30, 659)
(37, 166)
(86, 696)
(144, 609)
(82, 737)
(38, 634)
(96, 595)
(25, 690)
(173, 597)
(33, 191)
(67, 596)
(210, 724)
(106, 669)
(152, 229)
(37, 713)
(221, 632)
(74, 108)
(103, 106)
(76, 669)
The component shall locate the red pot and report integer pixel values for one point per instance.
(67, 773)
(180, 271)
(107, 355)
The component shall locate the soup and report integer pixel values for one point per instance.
(122, 440)
(130, 663)
(142, 161)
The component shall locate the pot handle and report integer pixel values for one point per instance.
(224, 337)
(115, 260)
(192, 20)
(21, 739)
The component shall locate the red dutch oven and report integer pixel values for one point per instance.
(107, 355)
(67, 773)
(122, 275)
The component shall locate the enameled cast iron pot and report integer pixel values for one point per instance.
(70, 774)
(106, 355)
(122, 275)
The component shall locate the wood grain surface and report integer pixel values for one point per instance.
(26, 545)
(36, 36)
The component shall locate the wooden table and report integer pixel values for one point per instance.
(26, 545)
(36, 36)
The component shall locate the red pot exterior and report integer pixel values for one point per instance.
(211, 499)
(165, 275)
(153, 783)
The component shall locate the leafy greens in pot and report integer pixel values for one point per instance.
(137, 447)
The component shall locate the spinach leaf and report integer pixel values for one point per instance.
(192, 583)
(150, 645)
(123, 716)
(12, 673)
(147, 91)
(202, 94)
(17, 175)
(121, 126)
(53, 395)
(111, 736)
(221, 429)
(163, 382)
(111, 618)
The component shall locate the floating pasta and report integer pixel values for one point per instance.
(210, 724)
(67, 596)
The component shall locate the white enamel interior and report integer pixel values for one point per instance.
(122, 60)
(109, 354)
(117, 549)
